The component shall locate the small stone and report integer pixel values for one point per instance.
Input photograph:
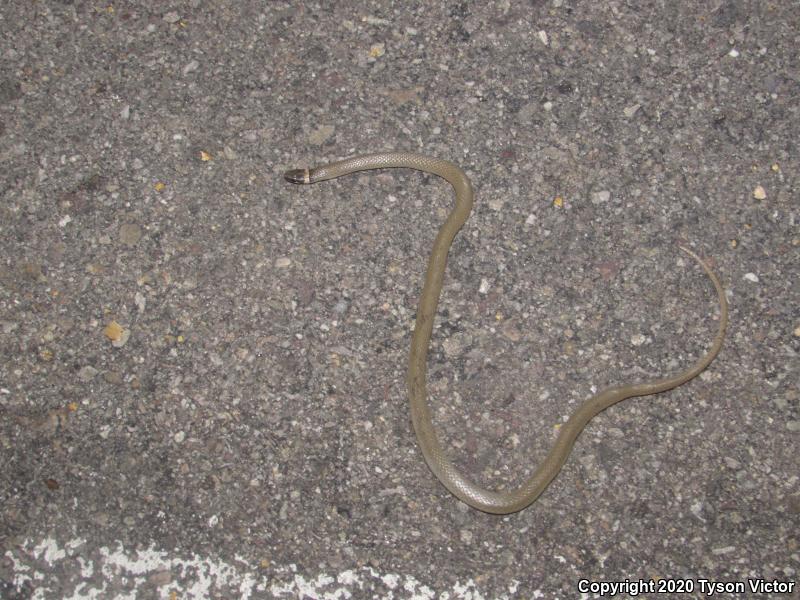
(732, 463)
(466, 536)
(734, 53)
(497, 203)
(190, 67)
(283, 262)
(171, 17)
(631, 110)
(484, 286)
(373, 20)
(87, 373)
(542, 34)
(759, 193)
(601, 196)
(101, 519)
(321, 134)
(126, 334)
(638, 339)
(113, 331)
(377, 50)
(130, 234)
(456, 344)
(117, 334)
(793, 425)
(112, 377)
(751, 277)
(160, 578)
(510, 331)
(179, 437)
(140, 300)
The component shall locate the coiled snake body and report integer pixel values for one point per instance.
(502, 502)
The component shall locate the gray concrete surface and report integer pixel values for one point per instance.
(246, 433)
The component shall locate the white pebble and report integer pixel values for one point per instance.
(631, 110)
(372, 20)
(697, 510)
(192, 66)
(543, 37)
(497, 203)
(734, 53)
(140, 300)
(600, 197)
(638, 339)
(751, 277)
(484, 287)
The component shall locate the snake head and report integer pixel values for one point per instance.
(297, 176)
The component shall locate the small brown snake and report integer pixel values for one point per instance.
(503, 502)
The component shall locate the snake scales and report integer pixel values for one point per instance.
(502, 502)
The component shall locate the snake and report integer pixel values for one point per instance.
(504, 501)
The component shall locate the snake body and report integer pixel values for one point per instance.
(496, 502)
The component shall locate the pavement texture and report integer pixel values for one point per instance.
(202, 383)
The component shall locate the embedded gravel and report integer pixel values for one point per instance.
(202, 377)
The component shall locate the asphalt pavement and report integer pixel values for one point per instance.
(202, 384)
